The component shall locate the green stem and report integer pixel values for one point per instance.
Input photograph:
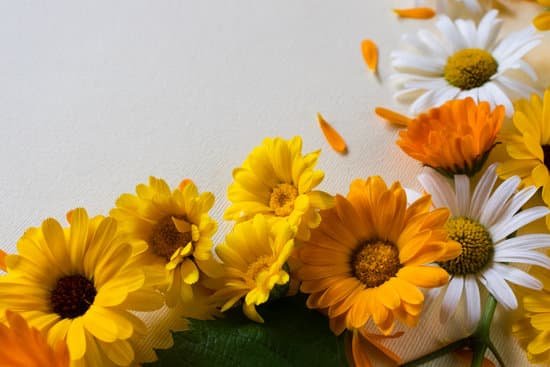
(481, 339)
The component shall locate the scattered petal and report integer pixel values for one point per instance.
(415, 13)
(392, 116)
(370, 54)
(333, 137)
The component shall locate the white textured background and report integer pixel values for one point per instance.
(97, 96)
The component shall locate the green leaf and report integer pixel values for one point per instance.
(292, 336)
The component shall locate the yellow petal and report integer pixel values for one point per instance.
(184, 183)
(415, 13)
(370, 54)
(542, 21)
(392, 116)
(424, 276)
(76, 340)
(333, 137)
(251, 313)
(189, 272)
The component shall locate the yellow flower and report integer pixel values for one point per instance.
(532, 329)
(369, 257)
(79, 284)
(455, 138)
(254, 255)
(528, 145)
(542, 21)
(177, 229)
(24, 346)
(278, 181)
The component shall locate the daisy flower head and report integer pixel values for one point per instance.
(254, 257)
(455, 138)
(482, 223)
(463, 60)
(24, 346)
(369, 257)
(80, 285)
(278, 181)
(528, 145)
(176, 227)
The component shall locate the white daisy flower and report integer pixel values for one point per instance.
(481, 223)
(464, 61)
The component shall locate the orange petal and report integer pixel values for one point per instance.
(334, 139)
(69, 216)
(465, 355)
(370, 54)
(392, 116)
(3, 260)
(415, 13)
(184, 183)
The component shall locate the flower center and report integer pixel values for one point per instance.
(166, 239)
(282, 199)
(470, 68)
(72, 296)
(375, 262)
(546, 151)
(262, 263)
(477, 246)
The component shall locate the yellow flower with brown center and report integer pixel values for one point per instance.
(542, 21)
(24, 346)
(177, 229)
(371, 254)
(528, 145)
(276, 180)
(254, 259)
(80, 285)
(455, 138)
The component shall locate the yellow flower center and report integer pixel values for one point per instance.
(166, 239)
(72, 296)
(477, 246)
(470, 68)
(262, 263)
(282, 199)
(375, 262)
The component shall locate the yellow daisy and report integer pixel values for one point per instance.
(254, 255)
(278, 181)
(24, 346)
(528, 145)
(370, 256)
(177, 229)
(79, 284)
(542, 21)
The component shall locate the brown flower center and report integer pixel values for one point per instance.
(470, 68)
(72, 296)
(282, 199)
(166, 239)
(375, 262)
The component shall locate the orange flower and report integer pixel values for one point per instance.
(455, 138)
(369, 257)
(22, 346)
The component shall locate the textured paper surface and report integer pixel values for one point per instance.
(97, 96)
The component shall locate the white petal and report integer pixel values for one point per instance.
(495, 206)
(435, 44)
(482, 191)
(502, 230)
(462, 189)
(451, 298)
(500, 98)
(517, 202)
(436, 185)
(409, 61)
(473, 6)
(473, 306)
(496, 285)
(488, 30)
(520, 88)
(524, 242)
(423, 102)
(451, 33)
(468, 30)
(517, 276)
(522, 257)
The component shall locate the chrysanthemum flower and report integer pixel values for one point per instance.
(463, 61)
(254, 259)
(528, 145)
(533, 328)
(454, 138)
(369, 257)
(482, 223)
(542, 21)
(79, 285)
(278, 181)
(177, 229)
(24, 346)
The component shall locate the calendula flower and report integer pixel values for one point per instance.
(254, 259)
(78, 285)
(542, 21)
(369, 257)
(463, 60)
(454, 138)
(532, 328)
(482, 223)
(24, 346)
(177, 229)
(528, 145)
(276, 180)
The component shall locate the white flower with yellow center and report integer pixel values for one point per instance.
(463, 60)
(482, 223)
